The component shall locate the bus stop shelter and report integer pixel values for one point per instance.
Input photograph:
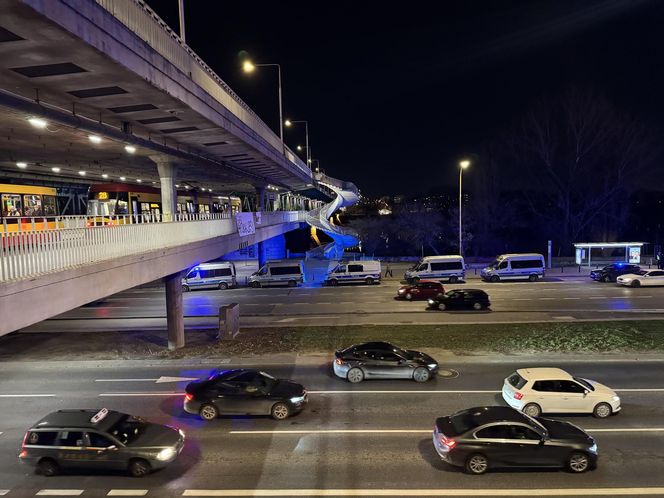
(632, 250)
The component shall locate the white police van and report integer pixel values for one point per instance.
(285, 272)
(354, 272)
(450, 268)
(210, 276)
(515, 267)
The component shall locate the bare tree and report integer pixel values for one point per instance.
(580, 157)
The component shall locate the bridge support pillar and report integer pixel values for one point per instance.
(174, 311)
(167, 176)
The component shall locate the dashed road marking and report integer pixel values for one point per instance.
(3, 492)
(367, 391)
(60, 492)
(117, 395)
(290, 432)
(27, 395)
(127, 492)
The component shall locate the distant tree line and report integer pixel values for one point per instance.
(564, 172)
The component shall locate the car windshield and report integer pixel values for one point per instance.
(643, 272)
(128, 429)
(585, 383)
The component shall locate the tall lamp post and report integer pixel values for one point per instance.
(290, 123)
(462, 165)
(249, 67)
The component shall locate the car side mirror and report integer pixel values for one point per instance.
(585, 392)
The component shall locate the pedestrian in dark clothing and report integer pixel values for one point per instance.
(388, 270)
(660, 260)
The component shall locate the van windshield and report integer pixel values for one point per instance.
(495, 264)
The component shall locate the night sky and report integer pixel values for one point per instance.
(394, 97)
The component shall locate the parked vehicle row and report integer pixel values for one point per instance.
(477, 439)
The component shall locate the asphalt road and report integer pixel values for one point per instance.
(555, 299)
(370, 439)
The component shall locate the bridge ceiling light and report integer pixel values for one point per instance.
(104, 175)
(82, 173)
(55, 169)
(248, 66)
(95, 139)
(21, 165)
(288, 122)
(122, 178)
(138, 180)
(38, 123)
(130, 148)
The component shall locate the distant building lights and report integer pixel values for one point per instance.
(38, 123)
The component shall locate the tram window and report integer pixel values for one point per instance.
(49, 203)
(11, 205)
(33, 205)
(145, 207)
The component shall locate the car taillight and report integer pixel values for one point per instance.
(23, 454)
(188, 397)
(518, 395)
(447, 441)
(339, 361)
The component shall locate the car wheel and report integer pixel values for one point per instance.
(256, 285)
(280, 411)
(532, 409)
(185, 288)
(369, 281)
(223, 286)
(494, 278)
(477, 306)
(442, 306)
(48, 467)
(292, 283)
(533, 278)
(414, 280)
(636, 283)
(139, 467)
(477, 464)
(421, 374)
(602, 410)
(454, 279)
(578, 462)
(606, 278)
(409, 297)
(208, 412)
(355, 375)
(333, 283)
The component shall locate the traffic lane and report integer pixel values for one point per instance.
(354, 461)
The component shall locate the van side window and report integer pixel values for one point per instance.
(450, 265)
(355, 268)
(222, 272)
(42, 438)
(99, 441)
(340, 269)
(502, 265)
(423, 267)
(263, 271)
(71, 438)
(527, 263)
(285, 270)
(193, 274)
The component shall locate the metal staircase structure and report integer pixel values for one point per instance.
(346, 194)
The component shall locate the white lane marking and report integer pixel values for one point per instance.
(523, 299)
(27, 395)
(479, 391)
(286, 320)
(118, 395)
(126, 380)
(60, 492)
(288, 432)
(647, 390)
(429, 492)
(3, 492)
(563, 318)
(572, 298)
(163, 379)
(127, 492)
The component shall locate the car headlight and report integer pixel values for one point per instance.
(616, 398)
(296, 400)
(401, 291)
(593, 448)
(432, 365)
(431, 302)
(166, 454)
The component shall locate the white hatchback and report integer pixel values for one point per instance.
(552, 390)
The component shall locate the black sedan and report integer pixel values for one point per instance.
(382, 360)
(611, 272)
(460, 299)
(244, 392)
(479, 439)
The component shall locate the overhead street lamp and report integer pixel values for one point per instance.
(290, 123)
(250, 67)
(462, 165)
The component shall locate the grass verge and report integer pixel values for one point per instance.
(573, 337)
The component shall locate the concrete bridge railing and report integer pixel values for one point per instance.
(29, 254)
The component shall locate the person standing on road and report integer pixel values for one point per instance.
(660, 260)
(388, 269)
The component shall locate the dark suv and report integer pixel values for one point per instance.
(611, 272)
(99, 440)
